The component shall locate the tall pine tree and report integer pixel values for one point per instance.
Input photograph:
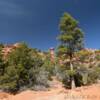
(71, 38)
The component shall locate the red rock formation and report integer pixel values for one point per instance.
(52, 55)
(8, 48)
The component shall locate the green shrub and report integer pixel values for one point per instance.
(24, 69)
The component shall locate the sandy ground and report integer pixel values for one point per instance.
(57, 92)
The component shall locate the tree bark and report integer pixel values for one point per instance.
(72, 78)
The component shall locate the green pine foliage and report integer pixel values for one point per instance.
(71, 39)
(24, 69)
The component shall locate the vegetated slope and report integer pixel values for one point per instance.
(57, 92)
(85, 58)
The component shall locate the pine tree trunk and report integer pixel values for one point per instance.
(72, 78)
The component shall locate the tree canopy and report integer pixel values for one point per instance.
(71, 35)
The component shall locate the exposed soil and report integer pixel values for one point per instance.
(57, 92)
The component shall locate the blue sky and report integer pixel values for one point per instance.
(36, 21)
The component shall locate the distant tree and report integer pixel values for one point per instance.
(71, 39)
